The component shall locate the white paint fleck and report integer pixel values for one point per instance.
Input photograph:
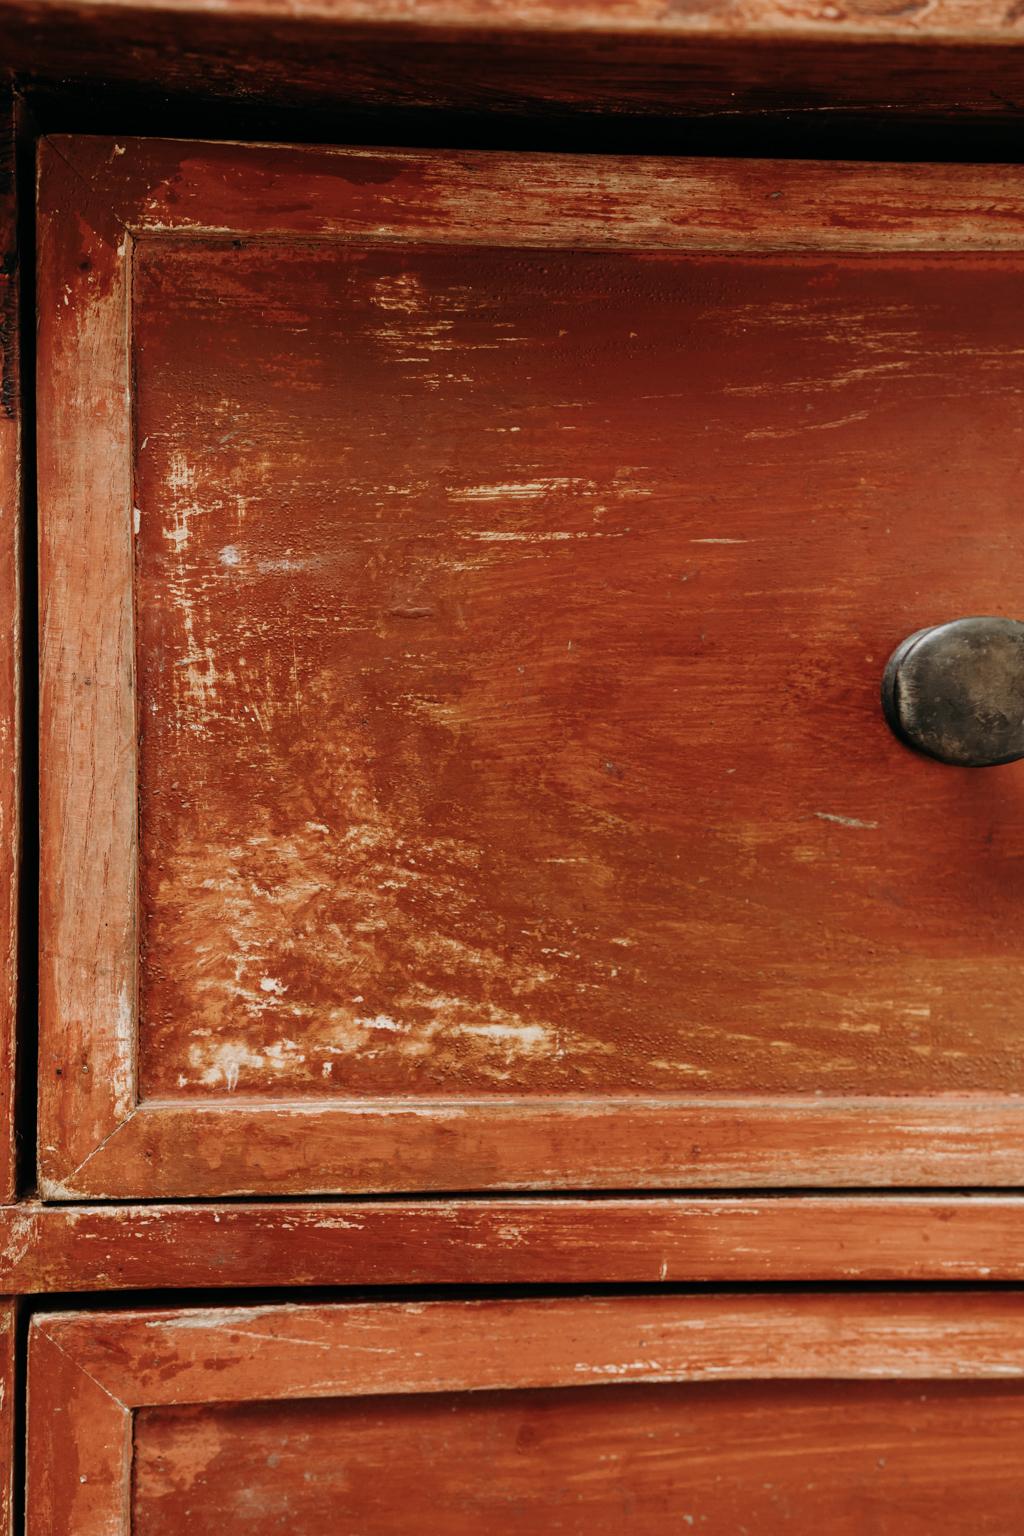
(178, 535)
(538, 536)
(847, 821)
(229, 555)
(815, 426)
(125, 1031)
(271, 984)
(614, 1369)
(519, 490)
(524, 1035)
(224, 1063)
(404, 293)
(382, 1021)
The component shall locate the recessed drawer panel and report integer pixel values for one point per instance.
(467, 586)
(894, 1414)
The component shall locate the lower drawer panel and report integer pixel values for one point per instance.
(895, 1413)
(747, 1456)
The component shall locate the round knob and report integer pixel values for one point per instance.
(956, 692)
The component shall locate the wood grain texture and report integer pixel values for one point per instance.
(79, 1447)
(153, 1358)
(590, 202)
(90, 1372)
(10, 1388)
(206, 1149)
(509, 718)
(87, 711)
(892, 1458)
(955, 59)
(53, 1249)
(517, 810)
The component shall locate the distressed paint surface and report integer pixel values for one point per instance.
(521, 1241)
(94, 1375)
(87, 769)
(11, 1388)
(509, 635)
(436, 994)
(895, 1459)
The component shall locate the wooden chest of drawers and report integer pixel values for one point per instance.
(522, 1043)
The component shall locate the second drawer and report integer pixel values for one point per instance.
(889, 1413)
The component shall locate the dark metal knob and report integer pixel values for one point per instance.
(956, 692)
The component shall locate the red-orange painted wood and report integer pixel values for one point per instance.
(473, 574)
(88, 879)
(55, 1248)
(893, 1458)
(79, 1446)
(10, 638)
(572, 1406)
(9, 1391)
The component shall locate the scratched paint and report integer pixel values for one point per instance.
(509, 635)
(893, 1458)
(794, 1411)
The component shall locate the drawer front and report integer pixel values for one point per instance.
(893, 1414)
(467, 586)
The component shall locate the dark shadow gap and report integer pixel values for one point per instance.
(28, 893)
(806, 132)
(554, 1197)
(228, 1300)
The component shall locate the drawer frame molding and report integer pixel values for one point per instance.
(97, 1138)
(89, 1372)
(517, 1240)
